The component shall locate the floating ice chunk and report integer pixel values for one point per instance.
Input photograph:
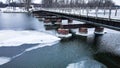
(10, 38)
(4, 60)
(87, 64)
(17, 38)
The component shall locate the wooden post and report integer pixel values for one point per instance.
(116, 11)
(110, 9)
(74, 11)
(87, 11)
(80, 11)
(104, 11)
(96, 12)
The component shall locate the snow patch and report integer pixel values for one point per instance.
(4, 60)
(16, 38)
(86, 64)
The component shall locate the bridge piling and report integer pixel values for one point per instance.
(70, 21)
(99, 30)
(83, 31)
(58, 21)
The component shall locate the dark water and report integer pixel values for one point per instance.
(60, 55)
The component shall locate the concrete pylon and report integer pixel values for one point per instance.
(99, 30)
(83, 31)
(46, 20)
(70, 20)
(58, 21)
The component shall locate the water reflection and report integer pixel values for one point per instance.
(16, 21)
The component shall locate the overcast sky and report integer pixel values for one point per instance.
(117, 2)
(38, 1)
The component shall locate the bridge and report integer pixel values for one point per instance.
(94, 19)
(98, 21)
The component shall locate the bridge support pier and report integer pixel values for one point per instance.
(41, 19)
(99, 30)
(58, 21)
(83, 31)
(70, 21)
(47, 21)
(35, 14)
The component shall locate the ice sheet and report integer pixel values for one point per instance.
(17, 38)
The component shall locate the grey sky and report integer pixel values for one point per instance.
(117, 2)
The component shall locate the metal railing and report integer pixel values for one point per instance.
(109, 13)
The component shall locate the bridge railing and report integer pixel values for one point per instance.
(109, 13)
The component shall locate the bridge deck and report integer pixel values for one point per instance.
(105, 22)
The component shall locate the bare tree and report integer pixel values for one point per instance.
(27, 4)
(78, 3)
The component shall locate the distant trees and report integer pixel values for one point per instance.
(78, 3)
(100, 3)
(47, 3)
(2, 4)
(27, 4)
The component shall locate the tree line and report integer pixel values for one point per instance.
(16, 4)
(78, 3)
